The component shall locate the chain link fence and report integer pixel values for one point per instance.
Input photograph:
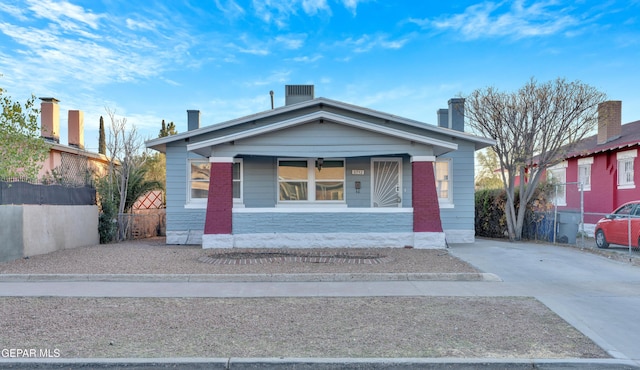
(566, 221)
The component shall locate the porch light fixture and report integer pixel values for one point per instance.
(319, 163)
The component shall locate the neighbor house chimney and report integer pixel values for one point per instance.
(456, 114)
(76, 129)
(193, 119)
(609, 120)
(297, 93)
(443, 118)
(50, 119)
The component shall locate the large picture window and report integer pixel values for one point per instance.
(199, 172)
(311, 180)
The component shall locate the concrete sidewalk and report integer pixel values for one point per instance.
(599, 297)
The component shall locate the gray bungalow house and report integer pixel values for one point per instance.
(321, 173)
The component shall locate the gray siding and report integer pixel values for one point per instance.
(363, 197)
(462, 216)
(180, 218)
(325, 139)
(259, 181)
(329, 222)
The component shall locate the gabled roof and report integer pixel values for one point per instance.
(322, 103)
(629, 136)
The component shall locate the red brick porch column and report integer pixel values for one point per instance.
(220, 199)
(426, 211)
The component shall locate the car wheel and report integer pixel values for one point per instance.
(601, 241)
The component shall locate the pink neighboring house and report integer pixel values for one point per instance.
(72, 159)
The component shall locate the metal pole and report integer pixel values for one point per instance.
(629, 233)
(582, 213)
(555, 214)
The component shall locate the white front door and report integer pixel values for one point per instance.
(386, 177)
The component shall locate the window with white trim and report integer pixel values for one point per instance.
(325, 178)
(558, 175)
(199, 172)
(442, 171)
(584, 172)
(626, 162)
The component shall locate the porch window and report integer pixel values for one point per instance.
(442, 169)
(326, 178)
(199, 172)
(626, 161)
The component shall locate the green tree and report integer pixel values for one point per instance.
(534, 127)
(22, 150)
(155, 163)
(138, 184)
(167, 130)
(487, 176)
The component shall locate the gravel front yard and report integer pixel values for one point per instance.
(291, 327)
(502, 327)
(152, 256)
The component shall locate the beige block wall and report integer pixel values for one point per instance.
(48, 228)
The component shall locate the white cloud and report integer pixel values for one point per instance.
(230, 9)
(351, 5)
(307, 59)
(312, 7)
(293, 42)
(67, 15)
(518, 20)
(275, 78)
(13, 11)
(278, 12)
(366, 43)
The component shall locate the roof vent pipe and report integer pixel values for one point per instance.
(271, 93)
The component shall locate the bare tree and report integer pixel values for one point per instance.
(123, 146)
(534, 127)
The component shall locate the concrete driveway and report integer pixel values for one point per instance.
(598, 296)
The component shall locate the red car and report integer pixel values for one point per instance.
(614, 228)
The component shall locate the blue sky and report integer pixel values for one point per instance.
(153, 60)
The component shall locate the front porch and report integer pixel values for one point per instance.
(411, 217)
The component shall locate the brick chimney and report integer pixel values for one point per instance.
(50, 119)
(609, 121)
(76, 129)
